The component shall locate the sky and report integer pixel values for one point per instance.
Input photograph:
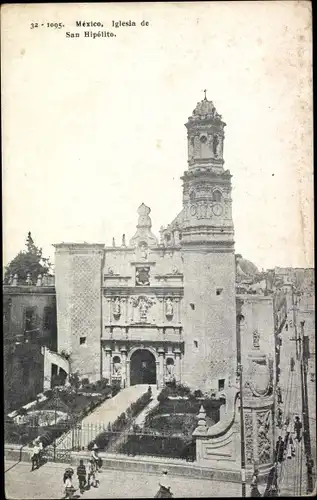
(91, 128)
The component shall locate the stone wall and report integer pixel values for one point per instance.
(209, 318)
(78, 287)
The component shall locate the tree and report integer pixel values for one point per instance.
(29, 261)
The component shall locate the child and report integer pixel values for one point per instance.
(91, 473)
(81, 474)
(68, 483)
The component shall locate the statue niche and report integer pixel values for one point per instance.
(170, 377)
(116, 366)
(169, 310)
(116, 308)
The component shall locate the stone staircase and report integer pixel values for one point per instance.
(98, 421)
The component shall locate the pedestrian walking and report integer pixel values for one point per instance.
(95, 456)
(91, 469)
(287, 430)
(279, 395)
(35, 457)
(81, 474)
(290, 448)
(254, 485)
(271, 486)
(279, 418)
(279, 450)
(298, 428)
(292, 364)
(164, 487)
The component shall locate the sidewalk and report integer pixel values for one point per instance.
(46, 482)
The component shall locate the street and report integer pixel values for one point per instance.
(47, 482)
(292, 473)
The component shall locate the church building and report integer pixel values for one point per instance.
(154, 309)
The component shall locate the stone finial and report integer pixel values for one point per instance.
(10, 279)
(123, 241)
(113, 242)
(28, 280)
(15, 280)
(144, 226)
(201, 417)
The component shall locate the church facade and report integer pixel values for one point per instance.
(154, 309)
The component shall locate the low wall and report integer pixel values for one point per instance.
(137, 463)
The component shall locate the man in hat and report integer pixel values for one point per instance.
(298, 428)
(164, 487)
(95, 457)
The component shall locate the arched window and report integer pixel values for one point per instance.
(217, 196)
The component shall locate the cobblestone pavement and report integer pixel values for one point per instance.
(46, 483)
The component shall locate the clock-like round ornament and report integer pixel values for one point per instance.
(217, 209)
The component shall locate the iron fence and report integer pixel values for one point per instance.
(60, 440)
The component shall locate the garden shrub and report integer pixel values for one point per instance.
(143, 444)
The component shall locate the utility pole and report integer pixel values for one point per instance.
(305, 409)
(240, 319)
(243, 482)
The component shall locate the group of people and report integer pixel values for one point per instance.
(285, 448)
(87, 476)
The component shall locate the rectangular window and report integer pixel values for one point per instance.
(192, 306)
(219, 291)
(30, 319)
(82, 340)
(221, 384)
(48, 318)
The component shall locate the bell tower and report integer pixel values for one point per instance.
(208, 253)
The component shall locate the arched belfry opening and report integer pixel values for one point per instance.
(142, 367)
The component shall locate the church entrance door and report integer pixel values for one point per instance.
(142, 368)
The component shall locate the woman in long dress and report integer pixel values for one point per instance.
(164, 487)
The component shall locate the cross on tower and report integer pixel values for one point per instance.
(205, 94)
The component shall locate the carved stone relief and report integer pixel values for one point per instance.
(259, 376)
(248, 437)
(143, 304)
(142, 276)
(264, 442)
(256, 339)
